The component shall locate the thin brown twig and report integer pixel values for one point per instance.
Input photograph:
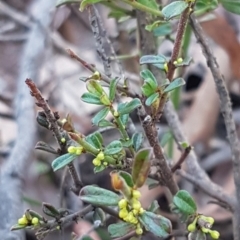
(41, 102)
(226, 109)
(183, 157)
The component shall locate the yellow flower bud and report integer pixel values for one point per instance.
(165, 67)
(205, 230)
(78, 151)
(100, 156)
(214, 234)
(175, 62)
(136, 194)
(179, 60)
(116, 114)
(64, 121)
(207, 219)
(136, 205)
(96, 162)
(191, 227)
(72, 149)
(122, 203)
(105, 163)
(141, 210)
(123, 213)
(63, 140)
(23, 221)
(135, 212)
(35, 221)
(139, 231)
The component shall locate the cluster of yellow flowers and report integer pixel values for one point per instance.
(98, 161)
(192, 226)
(75, 150)
(28, 221)
(131, 209)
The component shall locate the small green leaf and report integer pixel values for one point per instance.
(120, 229)
(166, 138)
(63, 2)
(91, 98)
(105, 123)
(178, 82)
(100, 215)
(63, 160)
(149, 3)
(17, 227)
(147, 74)
(137, 140)
(153, 59)
(112, 89)
(124, 119)
(127, 177)
(45, 147)
(95, 88)
(154, 206)
(231, 6)
(141, 166)
(147, 89)
(98, 168)
(117, 14)
(95, 139)
(184, 202)
(184, 145)
(84, 3)
(130, 106)
(154, 25)
(98, 196)
(174, 9)
(157, 224)
(100, 116)
(151, 99)
(113, 148)
(126, 143)
(162, 30)
(50, 210)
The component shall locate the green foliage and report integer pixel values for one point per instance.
(113, 148)
(63, 160)
(137, 140)
(85, 3)
(231, 5)
(153, 59)
(127, 177)
(151, 99)
(178, 82)
(112, 89)
(100, 116)
(162, 30)
(95, 139)
(50, 210)
(98, 196)
(130, 106)
(149, 3)
(91, 98)
(174, 9)
(120, 229)
(154, 206)
(157, 224)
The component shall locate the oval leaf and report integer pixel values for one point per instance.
(112, 89)
(120, 229)
(129, 107)
(137, 140)
(174, 84)
(147, 74)
(184, 202)
(174, 9)
(153, 59)
(91, 98)
(62, 161)
(100, 116)
(231, 6)
(151, 99)
(127, 177)
(147, 89)
(98, 196)
(113, 148)
(105, 123)
(157, 224)
(141, 166)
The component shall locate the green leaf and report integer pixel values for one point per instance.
(147, 89)
(149, 3)
(127, 143)
(153, 59)
(137, 140)
(130, 106)
(100, 215)
(154, 25)
(154, 206)
(17, 227)
(120, 229)
(105, 123)
(166, 138)
(184, 145)
(95, 139)
(231, 6)
(141, 166)
(127, 177)
(63, 2)
(162, 30)
(95, 88)
(117, 14)
(98, 196)
(98, 168)
(174, 9)
(157, 224)
(50, 210)
(184, 202)
(91, 98)
(151, 99)
(174, 84)
(63, 160)
(124, 119)
(100, 116)
(84, 3)
(112, 89)
(185, 62)
(113, 148)
(147, 74)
